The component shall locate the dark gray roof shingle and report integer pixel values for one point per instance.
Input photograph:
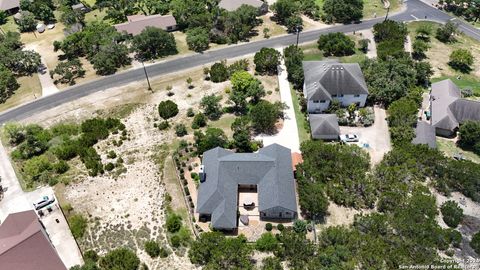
(425, 134)
(270, 169)
(326, 78)
(324, 124)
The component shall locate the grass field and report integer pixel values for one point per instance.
(373, 7)
(449, 148)
(30, 89)
(438, 57)
(302, 123)
(312, 53)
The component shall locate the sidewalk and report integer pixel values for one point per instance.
(288, 135)
(48, 87)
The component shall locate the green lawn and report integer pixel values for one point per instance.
(10, 25)
(30, 89)
(312, 53)
(302, 123)
(465, 81)
(224, 123)
(372, 7)
(449, 148)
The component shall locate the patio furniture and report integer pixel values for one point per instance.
(244, 219)
(248, 206)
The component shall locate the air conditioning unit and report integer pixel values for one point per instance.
(201, 174)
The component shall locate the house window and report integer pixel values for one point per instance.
(341, 95)
(322, 101)
(169, 28)
(333, 96)
(264, 214)
(280, 214)
(356, 96)
(316, 101)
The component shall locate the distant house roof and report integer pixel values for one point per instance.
(270, 169)
(425, 134)
(78, 6)
(448, 108)
(9, 4)
(232, 5)
(324, 125)
(326, 78)
(137, 23)
(25, 245)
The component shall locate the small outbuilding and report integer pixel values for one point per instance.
(10, 6)
(324, 126)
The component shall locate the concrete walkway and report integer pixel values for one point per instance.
(288, 135)
(372, 46)
(16, 200)
(48, 87)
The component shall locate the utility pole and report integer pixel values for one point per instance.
(386, 15)
(298, 34)
(146, 76)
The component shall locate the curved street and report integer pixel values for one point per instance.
(415, 10)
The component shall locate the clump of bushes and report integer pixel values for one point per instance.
(152, 248)
(78, 225)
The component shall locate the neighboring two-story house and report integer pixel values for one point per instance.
(326, 81)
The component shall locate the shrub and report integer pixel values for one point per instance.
(267, 242)
(110, 166)
(152, 248)
(266, 61)
(280, 227)
(167, 109)
(90, 255)
(299, 226)
(120, 259)
(180, 130)
(268, 226)
(163, 252)
(446, 33)
(163, 125)
(61, 167)
(469, 134)
(475, 243)
(200, 120)
(461, 60)
(452, 213)
(363, 45)
(219, 72)
(78, 225)
(175, 241)
(190, 112)
(173, 223)
(111, 154)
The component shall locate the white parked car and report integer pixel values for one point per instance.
(349, 138)
(43, 202)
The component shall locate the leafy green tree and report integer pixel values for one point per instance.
(242, 135)
(295, 248)
(266, 242)
(293, 62)
(461, 60)
(36, 166)
(284, 9)
(390, 30)
(68, 71)
(213, 137)
(402, 112)
(312, 199)
(211, 106)
(469, 135)
(153, 43)
(109, 58)
(363, 45)
(180, 130)
(214, 251)
(117, 10)
(198, 39)
(151, 7)
(446, 33)
(27, 22)
(244, 87)
(238, 25)
(193, 13)
(264, 116)
(294, 24)
(167, 109)
(424, 72)
(475, 243)
(219, 72)
(452, 213)
(423, 32)
(8, 84)
(336, 44)
(120, 259)
(342, 11)
(152, 248)
(266, 61)
(70, 17)
(419, 48)
(3, 17)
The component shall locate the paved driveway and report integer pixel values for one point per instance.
(376, 136)
(288, 135)
(16, 200)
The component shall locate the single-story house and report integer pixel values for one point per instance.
(326, 81)
(25, 245)
(10, 6)
(80, 7)
(449, 110)
(224, 172)
(232, 5)
(324, 126)
(137, 23)
(425, 134)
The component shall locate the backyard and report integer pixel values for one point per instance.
(374, 7)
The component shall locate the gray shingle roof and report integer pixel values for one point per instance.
(425, 134)
(449, 110)
(232, 5)
(9, 4)
(324, 124)
(270, 169)
(326, 78)
(137, 23)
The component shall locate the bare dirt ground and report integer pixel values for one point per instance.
(125, 207)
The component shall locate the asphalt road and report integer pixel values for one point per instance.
(415, 10)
